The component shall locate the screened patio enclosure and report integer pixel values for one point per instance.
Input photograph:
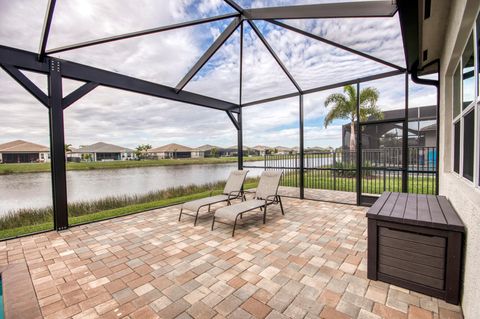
(261, 53)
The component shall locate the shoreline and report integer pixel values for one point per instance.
(22, 168)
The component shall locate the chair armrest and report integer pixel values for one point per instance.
(234, 194)
(272, 200)
(250, 192)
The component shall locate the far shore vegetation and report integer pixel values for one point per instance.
(6, 169)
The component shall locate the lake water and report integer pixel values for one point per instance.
(35, 189)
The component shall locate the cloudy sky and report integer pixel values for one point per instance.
(128, 119)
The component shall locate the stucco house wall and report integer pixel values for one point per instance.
(464, 196)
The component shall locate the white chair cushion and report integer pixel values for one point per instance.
(231, 212)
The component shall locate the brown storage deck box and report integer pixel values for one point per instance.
(416, 242)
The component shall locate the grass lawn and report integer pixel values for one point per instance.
(420, 185)
(45, 167)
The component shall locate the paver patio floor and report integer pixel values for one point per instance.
(310, 263)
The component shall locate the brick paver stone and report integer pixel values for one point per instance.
(310, 263)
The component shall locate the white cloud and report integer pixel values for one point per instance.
(130, 119)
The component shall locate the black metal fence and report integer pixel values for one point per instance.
(381, 170)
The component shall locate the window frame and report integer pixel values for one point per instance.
(474, 106)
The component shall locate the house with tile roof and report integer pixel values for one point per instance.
(171, 150)
(206, 150)
(103, 152)
(20, 151)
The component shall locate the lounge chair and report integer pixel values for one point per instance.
(266, 194)
(232, 190)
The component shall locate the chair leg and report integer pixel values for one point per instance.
(281, 205)
(196, 218)
(180, 216)
(234, 225)
(265, 214)
(213, 222)
(209, 208)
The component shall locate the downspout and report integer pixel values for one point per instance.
(435, 83)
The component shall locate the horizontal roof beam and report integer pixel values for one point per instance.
(359, 80)
(327, 87)
(81, 72)
(22, 59)
(141, 33)
(362, 9)
(335, 44)
(271, 99)
(75, 71)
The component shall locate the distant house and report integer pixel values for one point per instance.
(229, 151)
(429, 135)
(233, 151)
(262, 149)
(103, 152)
(20, 151)
(282, 150)
(206, 151)
(318, 149)
(421, 129)
(73, 155)
(172, 150)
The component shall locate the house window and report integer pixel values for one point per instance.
(456, 93)
(465, 109)
(468, 74)
(478, 46)
(468, 145)
(456, 151)
(477, 115)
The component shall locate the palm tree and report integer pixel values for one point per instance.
(141, 151)
(345, 107)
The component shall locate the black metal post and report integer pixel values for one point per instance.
(57, 146)
(358, 149)
(240, 141)
(437, 155)
(302, 150)
(239, 116)
(405, 141)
